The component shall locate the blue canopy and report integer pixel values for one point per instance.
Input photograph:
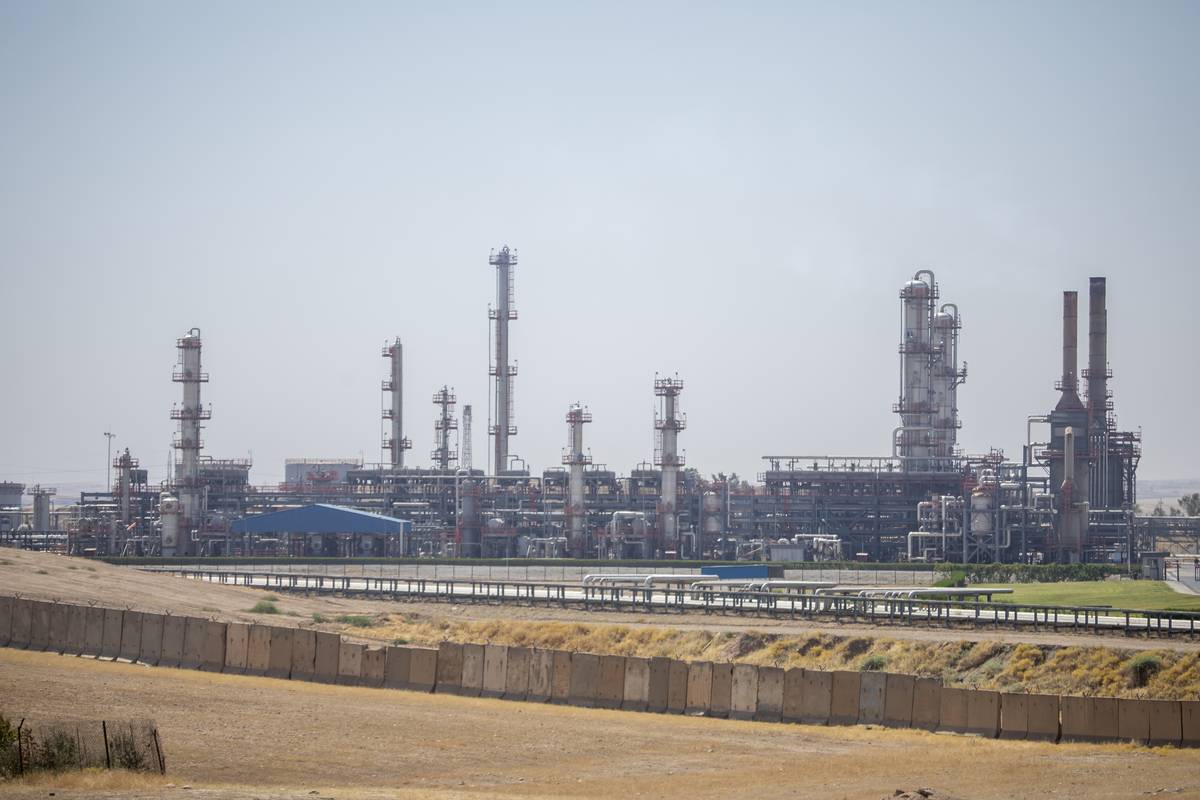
(321, 518)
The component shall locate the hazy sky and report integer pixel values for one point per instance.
(734, 192)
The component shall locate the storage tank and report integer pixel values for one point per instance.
(168, 510)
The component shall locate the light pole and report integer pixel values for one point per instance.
(108, 464)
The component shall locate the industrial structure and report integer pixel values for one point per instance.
(1070, 497)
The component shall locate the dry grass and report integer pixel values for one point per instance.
(88, 780)
(986, 665)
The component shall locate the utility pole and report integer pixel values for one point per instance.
(108, 461)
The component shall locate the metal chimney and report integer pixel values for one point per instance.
(1069, 384)
(1097, 371)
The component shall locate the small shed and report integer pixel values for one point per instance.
(328, 530)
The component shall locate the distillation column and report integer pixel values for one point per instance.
(1069, 441)
(945, 377)
(444, 455)
(915, 408)
(464, 444)
(502, 426)
(576, 459)
(668, 422)
(190, 415)
(394, 411)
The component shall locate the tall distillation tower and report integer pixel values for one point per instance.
(444, 455)
(576, 459)
(187, 481)
(394, 410)
(1069, 444)
(668, 422)
(465, 458)
(501, 423)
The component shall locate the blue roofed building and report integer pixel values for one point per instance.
(326, 530)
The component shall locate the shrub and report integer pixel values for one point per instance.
(872, 663)
(355, 620)
(956, 578)
(125, 752)
(320, 618)
(264, 607)
(1142, 668)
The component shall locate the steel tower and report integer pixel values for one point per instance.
(394, 412)
(501, 416)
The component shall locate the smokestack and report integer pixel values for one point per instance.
(1069, 385)
(1097, 378)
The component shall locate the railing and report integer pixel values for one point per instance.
(848, 609)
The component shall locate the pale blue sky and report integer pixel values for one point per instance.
(732, 191)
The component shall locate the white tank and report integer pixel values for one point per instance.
(168, 510)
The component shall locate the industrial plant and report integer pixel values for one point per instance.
(1069, 498)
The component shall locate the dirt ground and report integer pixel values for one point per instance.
(239, 737)
(74, 580)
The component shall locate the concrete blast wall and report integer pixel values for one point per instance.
(237, 647)
(150, 648)
(516, 678)
(740, 691)
(397, 667)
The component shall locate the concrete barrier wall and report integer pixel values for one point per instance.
(77, 630)
(1166, 722)
(927, 703)
(699, 688)
(325, 666)
(22, 622)
(610, 691)
(561, 683)
(1191, 722)
(636, 692)
(110, 644)
(1043, 717)
(495, 670)
(304, 654)
(817, 693)
(953, 711)
(898, 700)
(350, 662)
(743, 693)
(1014, 716)
(722, 690)
(39, 630)
(770, 695)
(279, 661)
(174, 631)
(983, 713)
(397, 667)
(449, 668)
(422, 669)
(374, 666)
(150, 646)
(195, 630)
(677, 681)
(872, 697)
(1133, 720)
(6, 610)
(59, 620)
(212, 653)
(237, 647)
(793, 694)
(541, 676)
(845, 689)
(660, 683)
(585, 678)
(516, 674)
(258, 653)
(131, 635)
(472, 670)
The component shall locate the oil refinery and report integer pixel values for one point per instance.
(1069, 498)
